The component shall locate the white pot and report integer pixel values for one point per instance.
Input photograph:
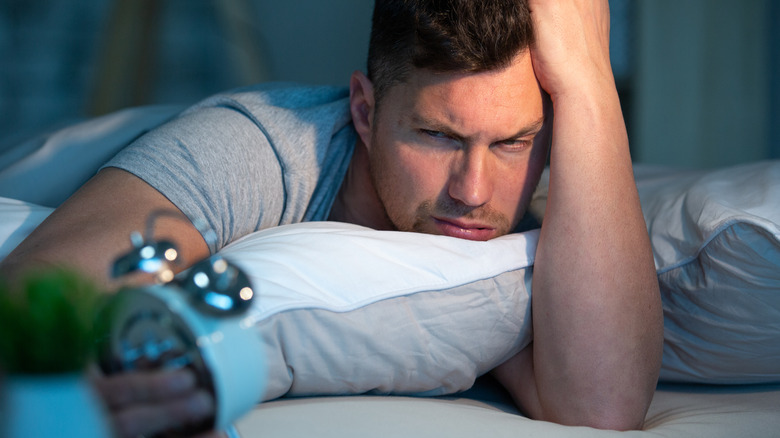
(51, 405)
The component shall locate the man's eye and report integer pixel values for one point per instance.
(434, 134)
(515, 145)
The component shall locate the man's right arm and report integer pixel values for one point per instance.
(597, 314)
(92, 228)
(88, 232)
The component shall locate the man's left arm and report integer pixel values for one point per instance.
(597, 318)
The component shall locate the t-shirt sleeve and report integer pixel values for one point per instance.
(217, 166)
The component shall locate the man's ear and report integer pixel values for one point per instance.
(361, 105)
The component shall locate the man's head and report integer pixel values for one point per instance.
(454, 149)
(444, 36)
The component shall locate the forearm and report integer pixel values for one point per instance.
(596, 307)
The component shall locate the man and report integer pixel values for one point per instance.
(450, 131)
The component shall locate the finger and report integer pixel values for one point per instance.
(144, 387)
(149, 419)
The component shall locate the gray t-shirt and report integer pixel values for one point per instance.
(249, 159)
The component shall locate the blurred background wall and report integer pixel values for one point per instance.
(699, 79)
(706, 82)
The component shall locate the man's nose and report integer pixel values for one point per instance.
(470, 177)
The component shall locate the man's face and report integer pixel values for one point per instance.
(459, 154)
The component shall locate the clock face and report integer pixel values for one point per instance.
(153, 339)
(144, 333)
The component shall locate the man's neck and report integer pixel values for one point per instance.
(357, 201)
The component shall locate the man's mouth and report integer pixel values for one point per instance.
(464, 230)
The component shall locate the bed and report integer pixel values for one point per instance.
(407, 356)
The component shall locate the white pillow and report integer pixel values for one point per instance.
(716, 241)
(345, 309)
(17, 220)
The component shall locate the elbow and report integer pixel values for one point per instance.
(618, 414)
(615, 421)
(612, 420)
(619, 408)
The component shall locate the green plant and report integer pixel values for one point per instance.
(46, 322)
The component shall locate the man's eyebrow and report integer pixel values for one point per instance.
(532, 128)
(434, 125)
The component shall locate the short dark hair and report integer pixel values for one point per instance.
(467, 36)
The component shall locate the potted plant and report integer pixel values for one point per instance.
(46, 345)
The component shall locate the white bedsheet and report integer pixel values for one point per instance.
(676, 411)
